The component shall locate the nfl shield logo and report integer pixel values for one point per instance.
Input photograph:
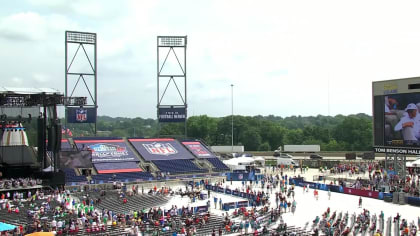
(160, 148)
(81, 115)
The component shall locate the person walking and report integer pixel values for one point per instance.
(215, 202)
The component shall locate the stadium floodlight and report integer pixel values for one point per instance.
(76, 74)
(80, 37)
(172, 41)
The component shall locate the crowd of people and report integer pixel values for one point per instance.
(379, 178)
(331, 223)
(19, 183)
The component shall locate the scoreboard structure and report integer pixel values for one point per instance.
(396, 120)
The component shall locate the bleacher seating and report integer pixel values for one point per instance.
(177, 166)
(123, 177)
(218, 164)
(71, 176)
(214, 222)
(112, 201)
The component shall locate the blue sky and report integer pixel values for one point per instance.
(283, 57)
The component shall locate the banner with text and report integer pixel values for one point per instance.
(115, 150)
(172, 114)
(198, 149)
(397, 150)
(360, 192)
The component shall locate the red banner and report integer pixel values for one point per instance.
(360, 192)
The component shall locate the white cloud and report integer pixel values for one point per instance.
(23, 26)
(41, 78)
(17, 81)
(280, 55)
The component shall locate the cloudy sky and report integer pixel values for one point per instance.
(283, 57)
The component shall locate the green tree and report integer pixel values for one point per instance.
(251, 139)
(293, 137)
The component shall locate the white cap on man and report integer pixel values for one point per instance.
(411, 106)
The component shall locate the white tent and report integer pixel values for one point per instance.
(239, 163)
(415, 163)
(260, 161)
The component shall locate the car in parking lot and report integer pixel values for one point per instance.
(316, 157)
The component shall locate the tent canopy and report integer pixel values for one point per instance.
(6, 227)
(415, 163)
(41, 234)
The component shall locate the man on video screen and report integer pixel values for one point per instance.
(409, 124)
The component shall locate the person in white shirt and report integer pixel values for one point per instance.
(54, 223)
(59, 224)
(409, 124)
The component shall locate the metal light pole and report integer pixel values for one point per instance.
(231, 86)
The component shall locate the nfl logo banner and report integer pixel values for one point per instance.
(155, 148)
(161, 149)
(81, 115)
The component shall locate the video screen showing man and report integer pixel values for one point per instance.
(402, 119)
(409, 125)
(76, 159)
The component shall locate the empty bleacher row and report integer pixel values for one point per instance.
(122, 177)
(114, 201)
(71, 176)
(178, 166)
(214, 223)
(218, 164)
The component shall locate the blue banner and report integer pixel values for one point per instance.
(235, 192)
(161, 149)
(229, 205)
(172, 114)
(228, 191)
(81, 115)
(242, 204)
(107, 150)
(333, 188)
(200, 209)
(220, 190)
(198, 149)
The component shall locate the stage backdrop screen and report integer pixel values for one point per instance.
(81, 115)
(396, 118)
(111, 150)
(198, 149)
(76, 159)
(160, 149)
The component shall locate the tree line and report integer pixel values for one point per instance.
(256, 133)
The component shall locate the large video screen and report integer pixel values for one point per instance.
(401, 120)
